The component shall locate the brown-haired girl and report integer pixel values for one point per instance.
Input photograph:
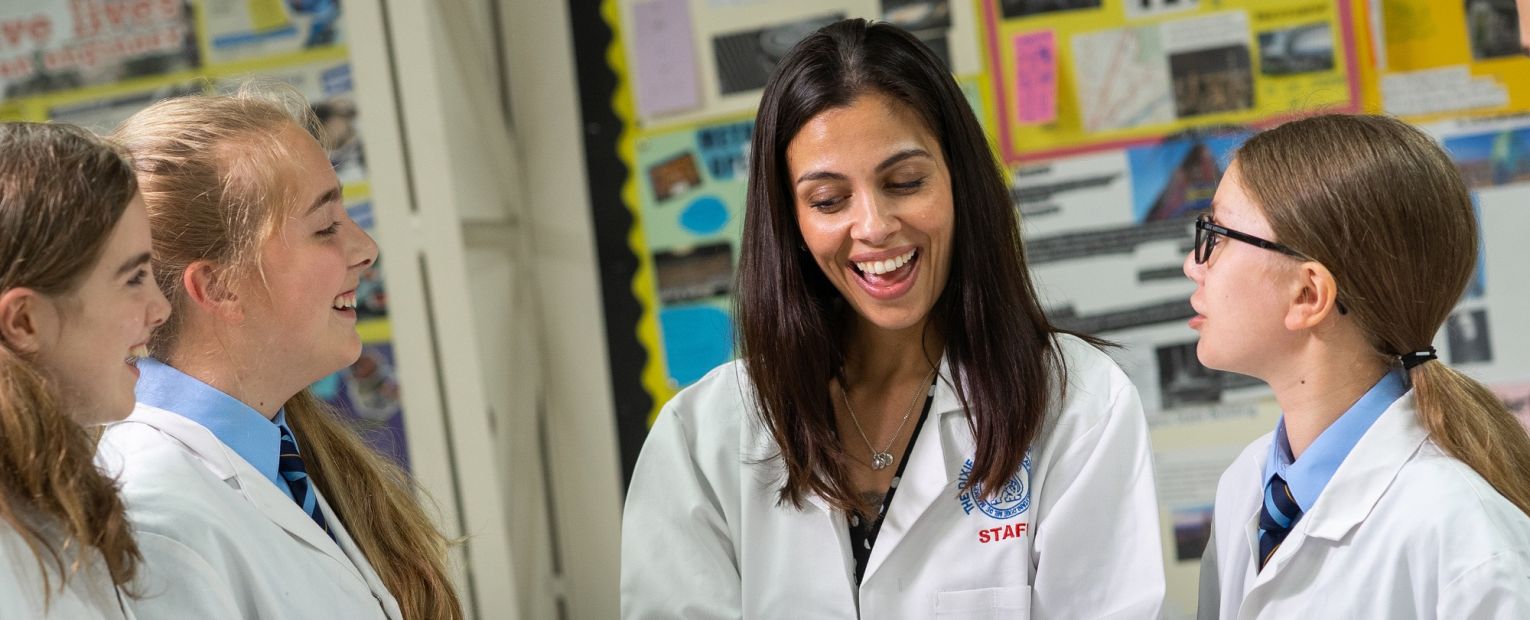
(251, 499)
(906, 435)
(1393, 486)
(77, 305)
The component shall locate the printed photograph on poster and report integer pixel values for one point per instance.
(745, 59)
(1192, 530)
(367, 396)
(1492, 159)
(1492, 26)
(103, 115)
(1122, 79)
(55, 46)
(1183, 381)
(1187, 488)
(1176, 179)
(928, 20)
(239, 29)
(331, 93)
(1466, 333)
(1300, 49)
(674, 176)
(694, 273)
(1014, 9)
(1212, 80)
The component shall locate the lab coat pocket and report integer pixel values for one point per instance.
(1010, 602)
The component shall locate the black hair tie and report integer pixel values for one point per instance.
(1409, 360)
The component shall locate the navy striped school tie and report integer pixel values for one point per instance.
(1279, 514)
(290, 466)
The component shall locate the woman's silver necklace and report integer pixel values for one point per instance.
(881, 459)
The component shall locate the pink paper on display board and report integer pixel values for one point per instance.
(666, 60)
(1036, 77)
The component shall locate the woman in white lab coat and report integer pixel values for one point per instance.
(251, 499)
(1393, 486)
(77, 304)
(905, 435)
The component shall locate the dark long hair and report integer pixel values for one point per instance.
(1000, 346)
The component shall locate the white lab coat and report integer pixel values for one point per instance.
(703, 536)
(87, 595)
(1403, 530)
(219, 540)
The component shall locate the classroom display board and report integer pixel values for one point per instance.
(1117, 119)
(96, 62)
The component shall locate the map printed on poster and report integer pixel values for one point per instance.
(96, 62)
(1128, 76)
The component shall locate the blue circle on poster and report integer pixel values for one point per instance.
(696, 340)
(705, 215)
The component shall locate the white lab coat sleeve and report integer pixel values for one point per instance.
(678, 557)
(1098, 548)
(1209, 603)
(1497, 588)
(176, 582)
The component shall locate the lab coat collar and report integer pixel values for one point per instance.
(231, 468)
(1368, 471)
(937, 459)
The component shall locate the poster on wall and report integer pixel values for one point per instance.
(96, 62)
(1451, 57)
(52, 46)
(1070, 77)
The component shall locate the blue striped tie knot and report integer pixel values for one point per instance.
(290, 466)
(1276, 518)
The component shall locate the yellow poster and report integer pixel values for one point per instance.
(1083, 75)
(1451, 58)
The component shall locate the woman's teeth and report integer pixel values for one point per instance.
(345, 302)
(879, 267)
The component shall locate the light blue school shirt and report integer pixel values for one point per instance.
(1309, 475)
(239, 426)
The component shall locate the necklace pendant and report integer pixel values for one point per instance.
(881, 460)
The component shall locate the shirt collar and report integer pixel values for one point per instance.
(239, 426)
(1309, 475)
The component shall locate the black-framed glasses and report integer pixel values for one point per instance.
(1206, 234)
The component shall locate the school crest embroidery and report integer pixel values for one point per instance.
(1011, 501)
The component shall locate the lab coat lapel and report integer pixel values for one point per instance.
(1357, 485)
(359, 561)
(944, 441)
(239, 474)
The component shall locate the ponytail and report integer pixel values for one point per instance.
(375, 499)
(1473, 425)
(51, 493)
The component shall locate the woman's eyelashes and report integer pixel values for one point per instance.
(329, 231)
(897, 188)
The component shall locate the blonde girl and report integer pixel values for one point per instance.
(249, 497)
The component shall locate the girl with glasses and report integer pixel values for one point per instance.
(1393, 486)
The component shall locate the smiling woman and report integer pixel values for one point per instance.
(882, 273)
(250, 498)
(77, 304)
